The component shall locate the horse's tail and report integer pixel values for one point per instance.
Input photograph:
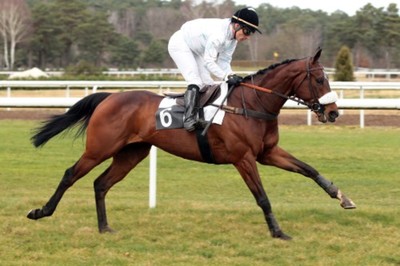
(78, 113)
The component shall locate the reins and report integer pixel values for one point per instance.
(316, 106)
(299, 101)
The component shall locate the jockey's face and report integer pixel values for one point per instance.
(243, 33)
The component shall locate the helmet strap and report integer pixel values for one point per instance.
(236, 27)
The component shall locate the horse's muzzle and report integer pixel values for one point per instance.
(328, 110)
(329, 113)
(333, 115)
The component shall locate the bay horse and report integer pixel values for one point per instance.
(121, 126)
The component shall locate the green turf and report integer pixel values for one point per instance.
(205, 214)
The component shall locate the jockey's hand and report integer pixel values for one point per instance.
(234, 80)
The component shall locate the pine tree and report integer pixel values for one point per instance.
(344, 65)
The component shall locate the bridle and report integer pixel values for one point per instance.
(314, 105)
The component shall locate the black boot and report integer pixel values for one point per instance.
(191, 100)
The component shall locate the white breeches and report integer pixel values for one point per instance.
(190, 64)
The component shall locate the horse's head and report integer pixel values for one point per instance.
(300, 80)
(315, 91)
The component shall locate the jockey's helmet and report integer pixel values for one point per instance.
(247, 17)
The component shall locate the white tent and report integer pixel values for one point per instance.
(31, 73)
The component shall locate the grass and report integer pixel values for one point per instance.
(206, 215)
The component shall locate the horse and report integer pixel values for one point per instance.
(121, 126)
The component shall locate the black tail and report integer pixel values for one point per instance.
(78, 113)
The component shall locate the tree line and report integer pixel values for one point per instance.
(128, 34)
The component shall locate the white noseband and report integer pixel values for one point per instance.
(328, 98)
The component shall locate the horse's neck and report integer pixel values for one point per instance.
(280, 81)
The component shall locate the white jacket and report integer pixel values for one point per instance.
(213, 40)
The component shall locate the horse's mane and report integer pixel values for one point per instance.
(271, 67)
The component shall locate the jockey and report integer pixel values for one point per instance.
(203, 48)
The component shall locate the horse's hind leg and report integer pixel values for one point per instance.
(123, 162)
(282, 159)
(72, 174)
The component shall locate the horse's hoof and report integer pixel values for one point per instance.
(107, 229)
(347, 203)
(34, 214)
(281, 235)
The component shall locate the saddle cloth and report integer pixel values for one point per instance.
(169, 114)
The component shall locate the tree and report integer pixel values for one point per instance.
(125, 53)
(14, 27)
(155, 53)
(392, 33)
(339, 31)
(71, 13)
(67, 31)
(368, 25)
(55, 30)
(344, 65)
(45, 46)
(94, 36)
(155, 22)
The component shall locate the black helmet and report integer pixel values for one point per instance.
(247, 17)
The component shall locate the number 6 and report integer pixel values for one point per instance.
(165, 118)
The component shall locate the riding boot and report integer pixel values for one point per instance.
(191, 100)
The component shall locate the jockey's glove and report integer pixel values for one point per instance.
(234, 80)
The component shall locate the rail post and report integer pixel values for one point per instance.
(362, 121)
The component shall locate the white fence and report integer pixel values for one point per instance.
(94, 85)
(360, 103)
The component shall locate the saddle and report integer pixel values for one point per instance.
(207, 95)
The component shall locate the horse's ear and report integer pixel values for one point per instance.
(317, 55)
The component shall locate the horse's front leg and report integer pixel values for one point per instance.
(282, 159)
(248, 170)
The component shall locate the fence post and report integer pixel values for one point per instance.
(67, 95)
(309, 117)
(362, 122)
(67, 92)
(153, 177)
(341, 96)
(8, 96)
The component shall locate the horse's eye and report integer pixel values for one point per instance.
(320, 81)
